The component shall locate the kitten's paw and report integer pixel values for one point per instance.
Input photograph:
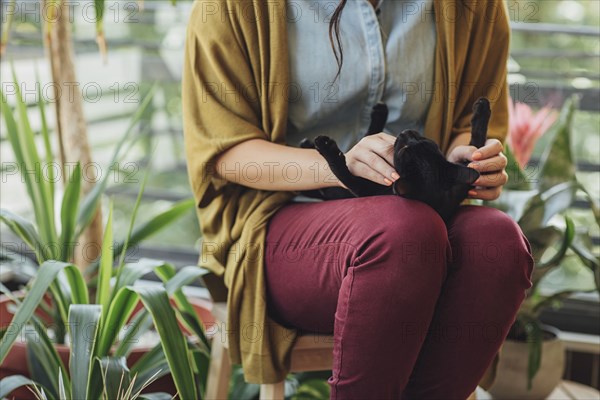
(327, 146)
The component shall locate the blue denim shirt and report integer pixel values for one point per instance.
(388, 56)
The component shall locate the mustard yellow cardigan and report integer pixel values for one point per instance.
(234, 88)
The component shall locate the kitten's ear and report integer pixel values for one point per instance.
(462, 174)
(412, 134)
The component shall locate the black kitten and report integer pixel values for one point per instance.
(425, 174)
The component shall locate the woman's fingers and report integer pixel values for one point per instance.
(372, 158)
(493, 179)
(492, 148)
(359, 168)
(381, 144)
(485, 193)
(495, 163)
(385, 137)
(461, 153)
(491, 163)
(377, 162)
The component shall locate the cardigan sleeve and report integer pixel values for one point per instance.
(219, 96)
(484, 68)
(235, 65)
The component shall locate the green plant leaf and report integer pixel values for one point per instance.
(534, 339)
(556, 163)
(156, 396)
(594, 206)
(314, 389)
(84, 320)
(153, 363)
(174, 283)
(26, 232)
(103, 294)
(542, 207)
(115, 376)
(140, 323)
(558, 199)
(47, 274)
(156, 300)
(68, 214)
(123, 303)
(45, 133)
(42, 368)
(516, 176)
(533, 215)
(582, 246)
(240, 389)
(45, 357)
(62, 391)
(541, 239)
(201, 361)
(12, 383)
(568, 236)
(136, 207)
(151, 227)
(78, 289)
(37, 183)
(100, 38)
(158, 222)
(513, 202)
(570, 276)
(8, 293)
(119, 311)
(99, 9)
(131, 272)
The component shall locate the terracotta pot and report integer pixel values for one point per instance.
(16, 363)
(511, 371)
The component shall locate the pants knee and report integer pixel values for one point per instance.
(485, 236)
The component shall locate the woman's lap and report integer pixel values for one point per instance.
(391, 281)
(310, 247)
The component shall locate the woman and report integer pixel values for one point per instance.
(417, 309)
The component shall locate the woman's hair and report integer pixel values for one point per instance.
(334, 31)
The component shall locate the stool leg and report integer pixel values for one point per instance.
(272, 391)
(219, 372)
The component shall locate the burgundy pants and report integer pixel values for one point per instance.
(418, 310)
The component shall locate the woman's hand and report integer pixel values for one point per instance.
(489, 162)
(373, 158)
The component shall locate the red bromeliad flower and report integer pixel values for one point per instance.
(526, 127)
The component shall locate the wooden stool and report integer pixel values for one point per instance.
(310, 353)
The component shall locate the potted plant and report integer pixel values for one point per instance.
(531, 361)
(97, 360)
(58, 284)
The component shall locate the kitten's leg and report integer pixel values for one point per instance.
(306, 143)
(479, 122)
(336, 160)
